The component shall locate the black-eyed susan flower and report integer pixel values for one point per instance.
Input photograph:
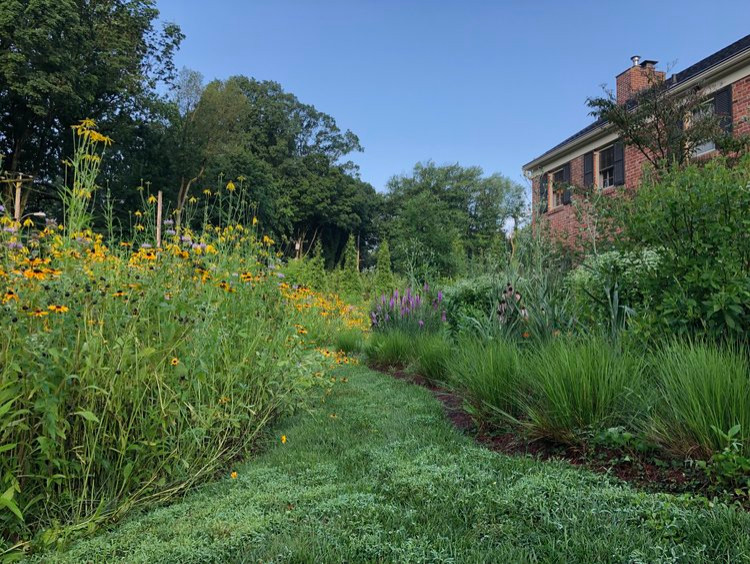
(175, 361)
(233, 475)
(38, 312)
(58, 308)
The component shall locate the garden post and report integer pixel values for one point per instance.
(158, 218)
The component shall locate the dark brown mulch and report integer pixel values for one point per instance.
(648, 473)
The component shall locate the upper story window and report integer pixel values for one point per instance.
(707, 108)
(607, 167)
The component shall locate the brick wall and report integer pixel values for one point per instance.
(562, 220)
(741, 106)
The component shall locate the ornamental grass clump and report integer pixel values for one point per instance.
(576, 387)
(410, 311)
(703, 392)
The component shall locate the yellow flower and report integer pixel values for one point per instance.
(10, 295)
(38, 313)
(193, 200)
(151, 199)
(233, 475)
(206, 192)
(255, 220)
(175, 361)
(139, 227)
(230, 186)
(283, 439)
(27, 222)
(138, 213)
(58, 308)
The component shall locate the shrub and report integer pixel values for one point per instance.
(488, 373)
(471, 298)
(609, 286)
(697, 219)
(704, 391)
(579, 386)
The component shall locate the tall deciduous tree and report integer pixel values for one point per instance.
(65, 60)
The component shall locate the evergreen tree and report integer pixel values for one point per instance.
(384, 281)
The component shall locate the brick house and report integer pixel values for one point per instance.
(595, 157)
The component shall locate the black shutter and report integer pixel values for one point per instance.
(723, 108)
(588, 170)
(566, 183)
(543, 197)
(619, 150)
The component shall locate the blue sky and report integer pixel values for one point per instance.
(482, 83)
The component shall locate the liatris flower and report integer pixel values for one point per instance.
(421, 324)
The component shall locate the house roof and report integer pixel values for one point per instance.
(676, 79)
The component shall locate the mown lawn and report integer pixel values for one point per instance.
(389, 480)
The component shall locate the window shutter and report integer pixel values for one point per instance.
(588, 169)
(566, 182)
(723, 108)
(543, 193)
(619, 164)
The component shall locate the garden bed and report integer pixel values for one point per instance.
(646, 472)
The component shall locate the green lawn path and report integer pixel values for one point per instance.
(389, 480)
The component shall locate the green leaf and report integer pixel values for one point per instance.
(88, 416)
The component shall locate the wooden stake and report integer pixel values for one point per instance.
(17, 202)
(158, 219)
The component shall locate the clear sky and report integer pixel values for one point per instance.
(484, 83)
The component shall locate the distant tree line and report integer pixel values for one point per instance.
(113, 61)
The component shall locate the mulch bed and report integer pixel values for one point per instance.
(654, 475)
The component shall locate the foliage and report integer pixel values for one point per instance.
(410, 311)
(576, 387)
(610, 287)
(384, 280)
(388, 479)
(488, 372)
(471, 298)
(730, 468)
(51, 80)
(692, 217)
(655, 121)
(452, 212)
(127, 376)
(391, 348)
(431, 355)
(703, 392)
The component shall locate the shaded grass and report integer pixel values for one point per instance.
(389, 480)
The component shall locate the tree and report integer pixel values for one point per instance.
(439, 211)
(65, 60)
(384, 281)
(665, 126)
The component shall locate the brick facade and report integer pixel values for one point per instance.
(562, 219)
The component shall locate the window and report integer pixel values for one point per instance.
(607, 167)
(706, 109)
(558, 187)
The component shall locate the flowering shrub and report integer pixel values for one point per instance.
(409, 311)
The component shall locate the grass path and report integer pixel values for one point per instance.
(389, 480)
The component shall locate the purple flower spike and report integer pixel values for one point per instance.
(440, 296)
(442, 317)
(421, 324)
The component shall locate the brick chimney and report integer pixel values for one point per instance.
(638, 77)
